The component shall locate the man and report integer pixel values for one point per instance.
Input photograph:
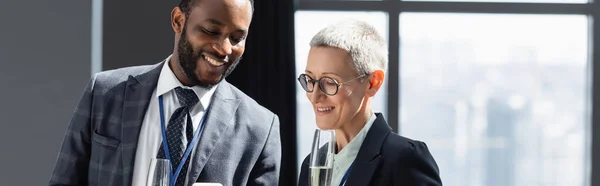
(180, 109)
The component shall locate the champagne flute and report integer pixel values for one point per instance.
(162, 172)
(321, 158)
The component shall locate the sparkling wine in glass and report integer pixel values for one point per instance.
(321, 158)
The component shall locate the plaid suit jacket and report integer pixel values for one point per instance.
(240, 144)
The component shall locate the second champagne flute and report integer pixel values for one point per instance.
(321, 158)
(162, 172)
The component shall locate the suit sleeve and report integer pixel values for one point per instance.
(71, 166)
(266, 170)
(422, 168)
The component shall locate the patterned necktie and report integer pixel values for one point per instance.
(175, 138)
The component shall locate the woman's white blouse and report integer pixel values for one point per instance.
(346, 156)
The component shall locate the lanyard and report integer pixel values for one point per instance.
(346, 175)
(173, 177)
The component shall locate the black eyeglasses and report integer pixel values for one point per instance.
(328, 85)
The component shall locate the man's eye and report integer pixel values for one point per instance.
(210, 32)
(236, 40)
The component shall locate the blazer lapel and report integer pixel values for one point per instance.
(220, 118)
(369, 156)
(138, 92)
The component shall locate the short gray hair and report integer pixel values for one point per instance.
(367, 48)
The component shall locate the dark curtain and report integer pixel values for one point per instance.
(267, 73)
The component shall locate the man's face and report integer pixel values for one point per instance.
(213, 38)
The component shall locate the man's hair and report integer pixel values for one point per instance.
(187, 5)
(367, 48)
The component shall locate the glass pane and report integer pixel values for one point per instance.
(506, 1)
(503, 103)
(307, 24)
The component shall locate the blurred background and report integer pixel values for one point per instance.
(502, 91)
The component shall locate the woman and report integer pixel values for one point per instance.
(345, 69)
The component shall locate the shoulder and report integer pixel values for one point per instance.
(247, 104)
(110, 80)
(411, 160)
(399, 149)
(401, 144)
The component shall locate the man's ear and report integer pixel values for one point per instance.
(177, 20)
(376, 82)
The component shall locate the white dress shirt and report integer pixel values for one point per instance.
(346, 156)
(150, 138)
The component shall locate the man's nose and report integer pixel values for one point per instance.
(223, 47)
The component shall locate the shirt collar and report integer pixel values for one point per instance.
(167, 81)
(352, 148)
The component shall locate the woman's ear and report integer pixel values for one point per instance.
(377, 78)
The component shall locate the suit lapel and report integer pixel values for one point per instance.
(220, 118)
(369, 156)
(138, 92)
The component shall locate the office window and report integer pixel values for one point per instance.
(307, 24)
(500, 99)
(511, 1)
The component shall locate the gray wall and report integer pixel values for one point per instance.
(45, 52)
(150, 40)
(45, 64)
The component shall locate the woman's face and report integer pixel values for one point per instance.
(334, 111)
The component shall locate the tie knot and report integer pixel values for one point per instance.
(186, 97)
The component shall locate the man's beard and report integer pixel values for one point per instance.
(188, 58)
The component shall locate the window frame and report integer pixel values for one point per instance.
(394, 8)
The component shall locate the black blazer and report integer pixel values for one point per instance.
(388, 159)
